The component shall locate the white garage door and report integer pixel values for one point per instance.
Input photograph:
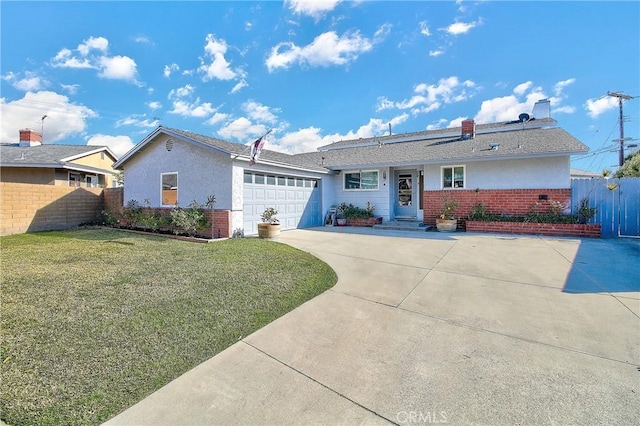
(296, 199)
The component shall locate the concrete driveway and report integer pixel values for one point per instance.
(433, 328)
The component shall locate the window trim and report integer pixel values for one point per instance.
(344, 180)
(452, 167)
(177, 188)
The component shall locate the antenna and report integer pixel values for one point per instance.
(42, 127)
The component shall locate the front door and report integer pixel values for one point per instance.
(405, 204)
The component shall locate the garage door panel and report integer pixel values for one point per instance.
(297, 206)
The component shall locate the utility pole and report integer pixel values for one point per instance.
(621, 98)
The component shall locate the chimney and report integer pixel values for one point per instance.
(30, 137)
(468, 129)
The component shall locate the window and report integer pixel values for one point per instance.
(291, 181)
(259, 179)
(364, 180)
(248, 178)
(271, 180)
(91, 181)
(281, 180)
(169, 189)
(453, 177)
(299, 182)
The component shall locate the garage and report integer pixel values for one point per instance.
(297, 200)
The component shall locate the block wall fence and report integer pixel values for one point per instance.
(29, 208)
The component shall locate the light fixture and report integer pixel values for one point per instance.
(384, 174)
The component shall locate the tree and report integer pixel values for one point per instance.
(631, 166)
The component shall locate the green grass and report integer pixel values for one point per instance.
(92, 321)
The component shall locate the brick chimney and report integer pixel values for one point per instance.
(468, 129)
(30, 137)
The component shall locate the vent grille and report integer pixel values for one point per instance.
(169, 144)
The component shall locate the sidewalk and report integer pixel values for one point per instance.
(433, 328)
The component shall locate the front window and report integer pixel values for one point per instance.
(361, 181)
(169, 189)
(453, 177)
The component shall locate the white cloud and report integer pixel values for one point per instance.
(120, 145)
(521, 88)
(242, 129)
(507, 108)
(118, 68)
(313, 8)
(195, 109)
(240, 85)
(460, 27)
(595, 107)
(325, 50)
(381, 33)
(437, 125)
(436, 53)
(259, 112)
(219, 68)
(430, 97)
(181, 92)
(564, 110)
(154, 105)
(559, 87)
(456, 122)
(97, 43)
(29, 83)
(72, 89)
(137, 120)
(63, 117)
(169, 69)
(424, 29)
(217, 118)
(142, 39)
(65, 59)
(310, 138)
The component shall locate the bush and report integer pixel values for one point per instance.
(190, 220)
(350, 211)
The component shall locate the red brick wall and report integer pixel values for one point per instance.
(27, 207)
(513, 202)
(551, 229)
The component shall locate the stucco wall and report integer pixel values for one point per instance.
(201, 172)
(552, 173)
(101, 160)
(37, 176)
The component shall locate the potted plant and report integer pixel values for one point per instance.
(446, 220)
(270, 226)
(341, 220)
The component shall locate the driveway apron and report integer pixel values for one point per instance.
(425, 328)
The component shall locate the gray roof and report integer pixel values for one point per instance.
(537, 142)
(232, 149)
(510, 141)
(48, 155)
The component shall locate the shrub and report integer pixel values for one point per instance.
(350, 211)
(190, 220)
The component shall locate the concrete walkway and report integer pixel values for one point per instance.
(433, 328)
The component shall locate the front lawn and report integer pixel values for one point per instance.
(92, 321)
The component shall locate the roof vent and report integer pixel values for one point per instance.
(494, 146)
(169, 144)
(524, 117)
(542, 109)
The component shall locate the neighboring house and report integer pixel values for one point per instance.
(507, 166)
(584, 174)
(30, 161)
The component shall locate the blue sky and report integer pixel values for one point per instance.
(107, 73)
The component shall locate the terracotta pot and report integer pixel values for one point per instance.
(446, 225)
(342, 221)
(268, 230)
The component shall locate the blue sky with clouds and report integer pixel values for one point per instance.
(107, 73)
